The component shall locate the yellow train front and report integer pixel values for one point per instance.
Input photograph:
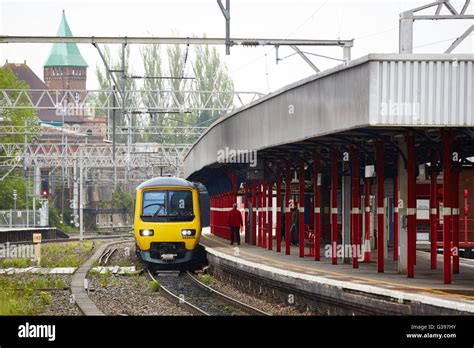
(167, 221)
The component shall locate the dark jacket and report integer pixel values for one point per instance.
(235, 218)
(296, 216)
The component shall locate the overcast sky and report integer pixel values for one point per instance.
(373, 25)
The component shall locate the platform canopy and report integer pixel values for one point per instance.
(378, 95)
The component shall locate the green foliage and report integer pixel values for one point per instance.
(206, 279)
(115, 63)
(14, 181)
(45, 298)
(104, 278)
(175, 61)
(71, 254)
(15, 263)
(155, 286)
(122, 200)
(15, 117)
(21, 295)
(211, 75)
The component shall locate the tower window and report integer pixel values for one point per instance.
(77, 97)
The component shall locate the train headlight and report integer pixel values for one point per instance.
(187, 233)
(147, 233)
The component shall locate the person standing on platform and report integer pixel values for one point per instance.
(295, 226)
(234, 222)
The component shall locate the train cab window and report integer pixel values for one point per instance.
(167, 206)
(154, 203)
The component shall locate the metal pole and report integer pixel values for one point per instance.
(334, 226)
(433, 216)
(447, 153)
(367, 249)
(395, 217)
(380, 204)
(278, 208)
(81, 197)
(405, 35)
(114, 112)
(455, 219)
(301, 208)
(254, 212)
(355, 202)
(259, 212)
(227, 28)
(264, 213)
(24, 146)
(287, 208)
(411, 206)
(317, 207)
(246, 212)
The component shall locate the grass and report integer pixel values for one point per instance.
(104, 279)
(155, 286)
(71, 254)
(206, 279)
(15, 263)
(23, 296)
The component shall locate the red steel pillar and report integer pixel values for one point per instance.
(218, 214)
(270, 216)
(395, 217)
(455, 219)
(317, 207)
(211, 217)
(254, 213)
(466, 213)
(334, 227)
(411, 206)
(379, 156)
(246, 211)
(447, 153)
(264, 213)
(278, 208)
(355, 207)
(301, 208)
(259, 211)
(433, 217)
(367, 251)
(287, 208)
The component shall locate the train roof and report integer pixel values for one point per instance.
(166, 181)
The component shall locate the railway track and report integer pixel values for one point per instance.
(185, 290)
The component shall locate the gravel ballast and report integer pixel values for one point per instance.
(129, 295)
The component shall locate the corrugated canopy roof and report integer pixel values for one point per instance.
(65, 54)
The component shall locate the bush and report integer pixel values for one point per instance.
(206, 279)
(155, 286)
(15, 263)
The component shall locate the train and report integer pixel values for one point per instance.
(167, 221)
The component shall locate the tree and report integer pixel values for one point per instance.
(152, 64)
(17, 117)
(12, 179)
(211, 75)
(122, 200)
(129, 84)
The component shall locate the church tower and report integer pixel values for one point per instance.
(65, 67)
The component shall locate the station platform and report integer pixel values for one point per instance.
(383, 293)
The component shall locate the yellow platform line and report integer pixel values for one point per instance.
(372, 281)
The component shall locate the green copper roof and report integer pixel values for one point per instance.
(65, 54)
